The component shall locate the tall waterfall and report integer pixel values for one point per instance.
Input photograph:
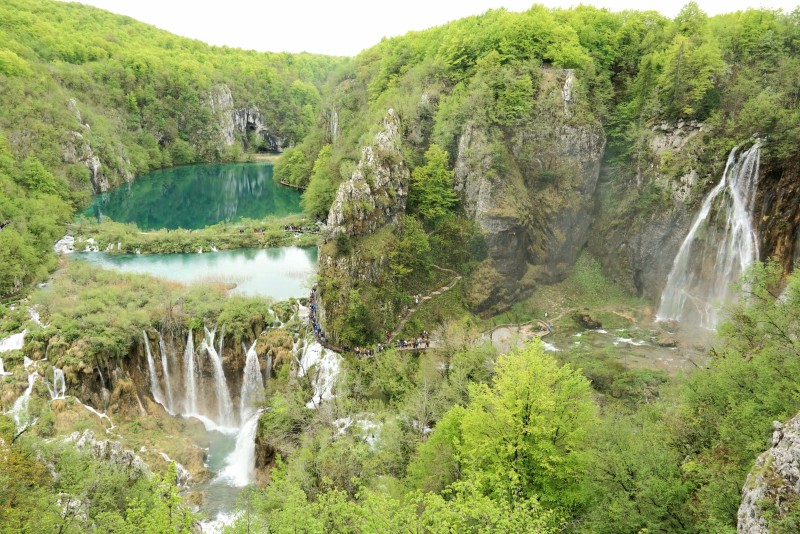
(190, 384)
(227, 417)
(252, 385)
(721, 244)
(162, 347)
(155, 387)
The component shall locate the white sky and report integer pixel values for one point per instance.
(345, 27)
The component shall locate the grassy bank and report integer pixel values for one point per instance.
(127, 238)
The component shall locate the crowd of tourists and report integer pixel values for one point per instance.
(319, 333)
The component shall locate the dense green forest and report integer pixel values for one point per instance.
(468, 439)
(78, 83)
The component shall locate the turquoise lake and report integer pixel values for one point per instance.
(196, 196)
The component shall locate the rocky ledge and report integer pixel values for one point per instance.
(773, 486)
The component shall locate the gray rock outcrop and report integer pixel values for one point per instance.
(643, 217)
(238, 123)
(110, 451)
(376, 193)
(774, 481)
(77, 149)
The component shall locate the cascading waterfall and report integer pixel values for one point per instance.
(20, 406)
(721, 244)
(242, 461)
(190, 384)
(155, 387)
(327, 365)
(13, 342)
(227, 417)
(162, 347)
(252, 384)
(59, 390)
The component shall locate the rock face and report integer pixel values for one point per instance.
(643, 217)
(78, 150)
(533, 198)
(110, 451)
(240, 122)
(369, 203)
(376, 192)
(779, 216)
(774, 482)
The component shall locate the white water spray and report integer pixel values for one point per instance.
(252, 385)
(190, 384)
(155, 387)
(224, 404)
(13, 342)
(326, 364)
(59, 390)
(242, 461)
(20, 406)
(721, 244)
(162, 347)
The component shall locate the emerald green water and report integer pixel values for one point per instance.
(196, 196)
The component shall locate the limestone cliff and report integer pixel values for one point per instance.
(376, 192)
(773, 486)
(778, 212)
(531, 194)
(363, 217)
(646, 205)
(238, 123)
(78, 150)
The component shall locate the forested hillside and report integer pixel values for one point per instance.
(520, 112)
(502, 172)
(89, 100)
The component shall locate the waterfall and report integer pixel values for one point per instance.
(241, 462)
(327, 370)
(13, 342)
(59, 390)
(190, 407)
(252, 385)
(162, 347)
(155, 387)
(721, 244)
(224, 403)
(21, 404)
(3, 369)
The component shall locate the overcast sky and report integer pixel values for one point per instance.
(345, 27)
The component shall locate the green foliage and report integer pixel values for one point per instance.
(410, 256)
(322, 186)
(431, 192)
(726, 412)
(86, 494)
(690, 73)
(293, 167)
(528, 434)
